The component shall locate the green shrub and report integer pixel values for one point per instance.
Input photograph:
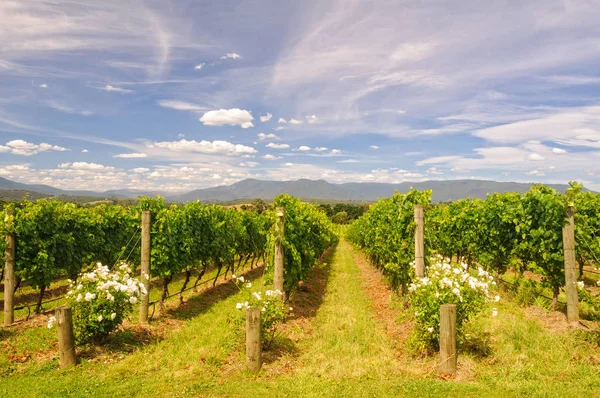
(448, 283)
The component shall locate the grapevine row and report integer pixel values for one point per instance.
(523, 231)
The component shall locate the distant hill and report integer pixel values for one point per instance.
(443, 191)
(47, 190)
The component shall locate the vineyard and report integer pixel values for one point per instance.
(359, 317)
(521, 233)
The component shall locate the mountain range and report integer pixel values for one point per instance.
(448, 190)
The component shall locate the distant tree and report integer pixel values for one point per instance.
(325, 208)
(259, 205)
(340, 218)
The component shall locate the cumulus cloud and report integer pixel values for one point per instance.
(313, 119)
(278, 128)
(109, 88)
(303, 148)
(231, 117)
(294, 121)
(374, 147)
(320, 149)
(535, 157)
(281, 120)
(199, 66)
(84, 151)
(335, 151)
(24, 148)
(249, 164)
(181, 105)
(131, 155)
(266, 118)
(216, 147)
(43, 85)
(140, 170)
(231, 55)
(558, 151)
(277, 146)
(90, 166)
(271, 136)
(271, 157)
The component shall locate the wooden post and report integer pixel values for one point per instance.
(253, 340)
(66, 340)
(419, 242)
(145, 272)
(279, 231)
(9, 276)
(448, 339)
(571, 267)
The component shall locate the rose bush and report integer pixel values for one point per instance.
(101, 299)
(273, 309)
(446, 283)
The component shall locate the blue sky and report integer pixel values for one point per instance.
(190, 94)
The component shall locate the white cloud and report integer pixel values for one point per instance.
(278, 128)
(537, 173)
(249, 164)
(535, 157)
(140, 170)
(294, 121)
(84, 151)
(335, 151)
(216, 147)
(24, 148)
(277, 146)
(181, 105)
(271, 136)
(231, 117)
(266, 118)
(199, 66)
(43, 85)
(320, 149)
(281, 120)
(374, 147)
(303, 148)
(271, 157)
(91, 166)
(558, 151)
(434, 170)
(231, 55)
(109, 88)
(348, 161)
(572, 127)
(131, 155)
(313, 119)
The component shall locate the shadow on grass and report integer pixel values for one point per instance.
(309, 296)
(305, 301)
(121, 342)
(200, 303)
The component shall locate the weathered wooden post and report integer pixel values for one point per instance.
(278, 265)
(145, 272)
(419, 242)
(253, 340)
(571, 267)
(9, 274)
(66, 339)
(448, 339)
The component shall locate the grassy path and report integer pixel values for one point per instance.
(337, 345)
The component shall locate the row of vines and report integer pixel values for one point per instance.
(510, 230)
(58, 240)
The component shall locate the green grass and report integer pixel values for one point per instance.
(346, 353)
